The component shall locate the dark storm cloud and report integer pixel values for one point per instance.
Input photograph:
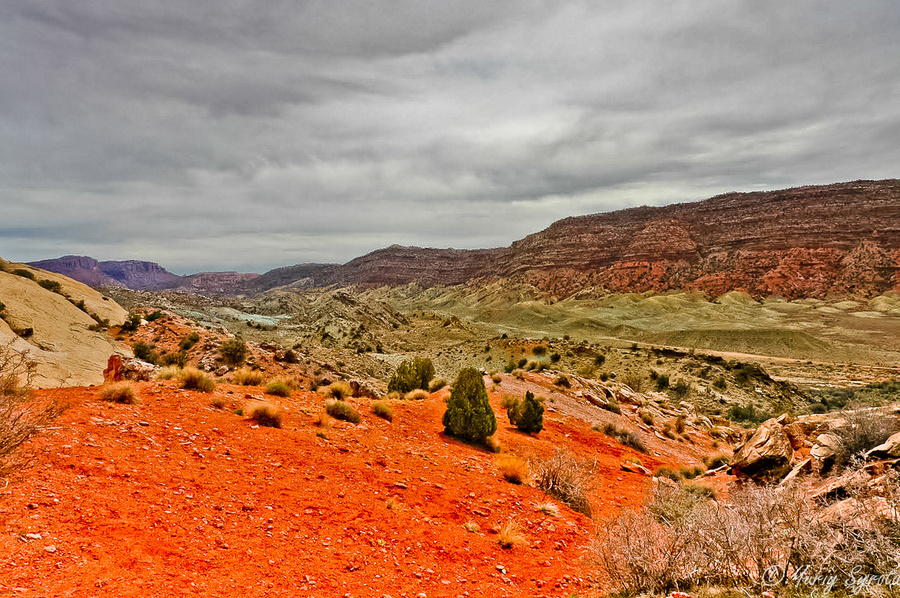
(233, 134)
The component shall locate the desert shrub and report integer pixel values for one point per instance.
(248, 377)
(145, 352)
(492, 443)
(154, 316)
(586, 371)
(21, 414)
(23, 273)
(664, 471)
(512, 468)
(647, 417)
(342, 410)
(278, 388)
(132, 323)
(533, 365)
(412, 374)
(547, 508)
(51, 285)
(189, 341)
(217, 402)
(168, 373)
(720, 383)
(267, 415)
(436, 384)
(120, 392)
(179, 359)
(555, 357)
(613, 406)
(599, 360)
(383, 410)
(511, 404)
(680, 389)
(339, 390)
(233, 351)
(682, 539)
(539, 350)
(518, 373)
(471, 527)
(530, 414)
(662, 382)
(194, 379)
(634, 381)
(496, 378)
(625, 437)
(563, 381)
(469, 414)
(566, 479)
(679, 424)
(510, 534)
(2, 306)
(747, 414)
(863, 430)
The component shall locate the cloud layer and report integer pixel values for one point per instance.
(245, 135)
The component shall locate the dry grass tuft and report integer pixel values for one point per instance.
(267, 415)
(548, 508)
(248, 377)
(194, 379)
(342, 410)
(170, 372)
(339, 390)
(472, 527)
(512, 468)
(510, 534)
(416, 395)
(120, 392)
(436, 384)
(383, 410)
(278, 388)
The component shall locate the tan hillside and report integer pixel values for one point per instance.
(53, 329)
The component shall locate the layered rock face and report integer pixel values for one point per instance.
(841, 239)
(133, 274)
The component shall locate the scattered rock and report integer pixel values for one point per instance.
(890, 448)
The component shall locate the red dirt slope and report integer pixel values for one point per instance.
(174, 497)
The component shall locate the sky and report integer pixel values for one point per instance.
(237, 135)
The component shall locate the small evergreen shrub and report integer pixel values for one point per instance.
(145, 352)
(233, 351)
(530, 416)
(412, 374)
(189, 341)
(469, 414)
(23, 273)
(51, 285)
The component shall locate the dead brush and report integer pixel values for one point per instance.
(21, 414)
(512, 468)
(566, 479)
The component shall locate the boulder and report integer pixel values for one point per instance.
(135, 369)
(889, 448)
(766, 455)
(361, 389)
(799, 468)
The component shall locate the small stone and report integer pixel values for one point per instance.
(400, 485)
(51, 548)
(33, 536)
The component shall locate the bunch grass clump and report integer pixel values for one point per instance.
(342, 410)
(120, 392)
(278, 388)
(266, 414)
(512, 468)
(194, 379)
(248, 377)
(383, 410)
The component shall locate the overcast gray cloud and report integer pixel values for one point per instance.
(231, 134)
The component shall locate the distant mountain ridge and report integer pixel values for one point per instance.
(813, 241)
(142, 276)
